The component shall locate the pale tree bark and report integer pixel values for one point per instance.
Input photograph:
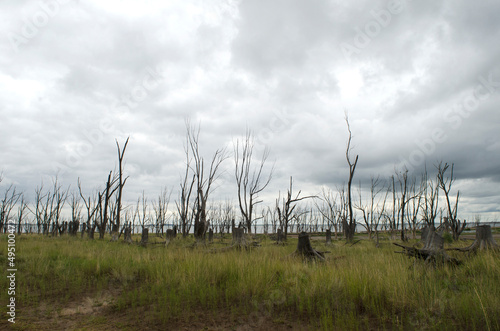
(249, 179)
(9, 200)
(121, 184)
(204, 181)
(328, 209)
(430, 200)
(161, 210)
(184, 210)
(286, 210)
(445, 184)
(350, 226)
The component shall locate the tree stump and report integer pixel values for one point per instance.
(172, 233)
(239, 236)
(328, 237)
(305, 249)
(433, 241)
(484, 240)
(433, 251)
(128, 235)
(424, 233)
(280, 237)
(145, 236)
(210, 235)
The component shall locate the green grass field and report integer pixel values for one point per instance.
(73, 283)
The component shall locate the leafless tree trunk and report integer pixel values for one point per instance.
(92, 208)
(161, 210)
(9, 200)
(183, 204)
(328, 209)
(248, 179)
(287, 207)
(21, 213)
(76, 211)
(121, 184)
(106, 196)
(350, 227)
(413, 206)
(431, 200)
(203, 184)
(445, 184)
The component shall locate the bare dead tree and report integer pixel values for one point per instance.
(121, 184)
(76, 214)
(328, 209)
(286, 208)
(186, 188)
(350, 227)
(342, 207)
(161, 210)
(143, 217)
(104, 202)
(371, 211)
(9, 200)
(92, 207)
(21, 213)
(204, 185)
(430, 203)
(249, 180)
(445, 184)
(402, 196)
(413, 206)
(58, 201)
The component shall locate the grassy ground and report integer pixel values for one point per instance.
(73, 283)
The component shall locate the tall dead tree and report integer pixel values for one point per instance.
(328, 209)
(161, 209)
(76, 212)
(9, 200)
(204, 181)
(286, 209)
(21, 213)
(121, 184)
(350, 226)
(373, 211)
(104, 203)
(92, 207)
(186, 188)
(445, 184)
(430, 200)
(249, 180)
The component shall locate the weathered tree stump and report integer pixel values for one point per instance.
(145, 236)
(172, 233)
(280, 236)
(433, 251)
(424, 233)
(239, 237)
(127, 235)
(328, 237)
(305, 249)
(484, 241)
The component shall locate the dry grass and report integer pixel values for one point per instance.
(81, 284)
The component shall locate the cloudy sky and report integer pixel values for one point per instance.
(420, 81)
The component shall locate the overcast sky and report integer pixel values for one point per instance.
(420, 81)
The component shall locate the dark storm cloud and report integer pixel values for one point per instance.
(408, 79)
